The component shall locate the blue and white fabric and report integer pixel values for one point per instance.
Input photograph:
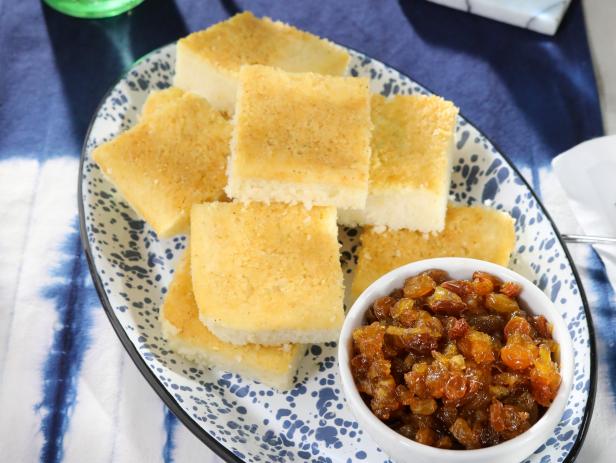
(68, 391)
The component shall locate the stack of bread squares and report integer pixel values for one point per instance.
(410, 168)
(179, 318)
(262, 147)
(407, 216)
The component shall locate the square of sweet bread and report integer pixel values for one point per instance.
(410, 166)
(187, 336)
(476, 232)
(300, 137)
(267, 274)
(208, 61)
(175, 157)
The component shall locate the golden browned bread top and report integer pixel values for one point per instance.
(180, 311)
(476, 232)
(266, 267)
(175, 157)
(245, 39)
(411, 141)
(302, 128)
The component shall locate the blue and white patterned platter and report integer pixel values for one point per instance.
(244, 420)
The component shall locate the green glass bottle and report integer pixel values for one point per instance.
(92, 8)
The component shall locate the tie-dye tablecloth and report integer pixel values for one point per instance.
(68, 392)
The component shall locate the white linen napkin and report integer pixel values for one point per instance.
(587, 173)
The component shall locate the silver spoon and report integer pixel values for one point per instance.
(588, 239)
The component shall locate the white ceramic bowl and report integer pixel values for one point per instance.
(401, 449)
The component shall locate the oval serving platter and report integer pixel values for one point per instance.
(240, 419)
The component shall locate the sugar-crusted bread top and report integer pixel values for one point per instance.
(180, 310)
(245, 39)
(302, 128)
(160, 100)
(410, 142)
(175, 157)
(260, 267)
(476, 232)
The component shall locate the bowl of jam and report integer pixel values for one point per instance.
(456, 359)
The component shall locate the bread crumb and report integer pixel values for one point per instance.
(476, 232)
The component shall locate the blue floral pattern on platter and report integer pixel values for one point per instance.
(311, 421)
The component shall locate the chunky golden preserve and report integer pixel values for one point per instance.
(455, 364)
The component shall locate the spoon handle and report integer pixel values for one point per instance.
(588, 239)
